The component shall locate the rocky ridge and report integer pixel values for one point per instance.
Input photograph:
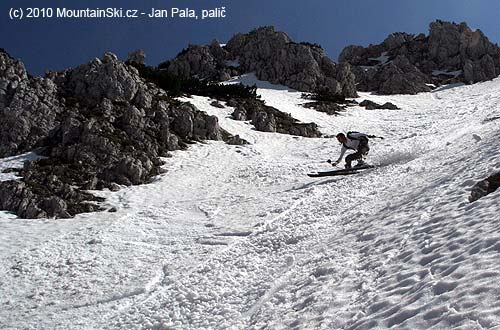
(408, 64)
(273, 56)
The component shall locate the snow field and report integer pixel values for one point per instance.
(240, 238)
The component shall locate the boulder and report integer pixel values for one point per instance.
(236, 140)
(217, 104)
(370, 105)
(264, 122)
(485, 187)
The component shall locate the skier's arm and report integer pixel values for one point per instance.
(342, 152)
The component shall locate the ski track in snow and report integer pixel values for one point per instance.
(238, 237)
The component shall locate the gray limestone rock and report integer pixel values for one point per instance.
(28, 108)
(204, 62)
(407, 64)
(137, 57)
(108, 78)
(272, 56)
(326, 107)
(236, 140)
(100, 125)
(269, 119)
(370, 105)
(485, 187)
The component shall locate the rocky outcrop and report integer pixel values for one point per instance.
(204, 62)
(137, 57)
(327, 103)
(12, 74)
(329, 108)
(42, 195)
(409, 64)
(273, 56)
(28, 107)
(109, 79)
(100, 125)
(217, 104)
(269, 119)
(397, 77)
(485, 187)
(237, 141)
(370, 105)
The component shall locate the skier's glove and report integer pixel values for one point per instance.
(333, 163)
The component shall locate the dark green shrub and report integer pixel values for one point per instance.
(177, 86)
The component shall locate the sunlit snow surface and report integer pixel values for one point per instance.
(240, 238)
(14, 162)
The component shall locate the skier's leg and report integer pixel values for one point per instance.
(363, 150)
(350, 158)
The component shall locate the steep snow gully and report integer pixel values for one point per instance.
(238, 237)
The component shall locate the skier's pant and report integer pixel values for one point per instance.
(362, 151)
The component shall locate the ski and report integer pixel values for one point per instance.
(353, 170)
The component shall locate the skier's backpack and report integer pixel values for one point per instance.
(361, 137)
(350, 135)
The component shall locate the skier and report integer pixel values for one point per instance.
(354, 141)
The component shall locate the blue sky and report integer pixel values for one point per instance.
(61, 43)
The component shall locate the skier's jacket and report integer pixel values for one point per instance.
(353, 140)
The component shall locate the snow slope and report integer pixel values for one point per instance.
(240, 238)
